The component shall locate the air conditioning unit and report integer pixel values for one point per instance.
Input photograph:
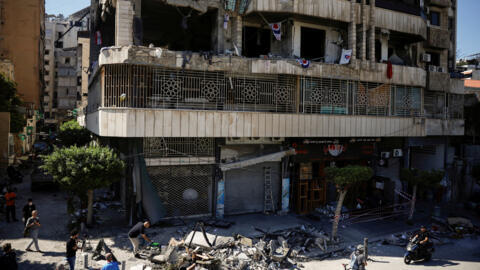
(385, 155)
(432, 68)
(426, 57)
(397, 153)
(441, 69)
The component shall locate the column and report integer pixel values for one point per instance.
(237, 25)
(363, 47)
(352, 31)
(372, 34)
(124, 23)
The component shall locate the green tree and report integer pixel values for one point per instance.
(344, 178)
(81, 170)
(71, 133)
(420, 178)
(9, 102)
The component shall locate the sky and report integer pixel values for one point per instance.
(65, 7)
(468, 39)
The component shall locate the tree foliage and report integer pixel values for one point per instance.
(346, 176)
(422, 178)
(71, 133)
(79, 169)
(9, 102)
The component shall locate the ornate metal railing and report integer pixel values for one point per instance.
(178, 147)
(137, 86)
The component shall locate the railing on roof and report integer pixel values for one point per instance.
(136, 86)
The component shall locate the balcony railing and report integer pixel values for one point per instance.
(136, 86)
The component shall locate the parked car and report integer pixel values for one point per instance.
(41, 180)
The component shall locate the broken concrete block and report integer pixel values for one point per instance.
(138, 267)
(246, 241)
(160, 259)
(242, 256)
(199, 239)
(320, 242)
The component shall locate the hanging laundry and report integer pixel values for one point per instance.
(304, 63)
(346, 56)
(389, 70)
(226, 18)
(276, 29)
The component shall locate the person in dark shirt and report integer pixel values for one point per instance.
(138, 229)
(72, 249)
(8, 261)
(27, 210)
(424, 237)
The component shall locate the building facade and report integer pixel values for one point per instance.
(21, 45)
(230, 107)
(62, 76)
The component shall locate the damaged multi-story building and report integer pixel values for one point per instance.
(63, 75)
(237, 106)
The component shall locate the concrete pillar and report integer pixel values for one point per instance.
(124, 23)
(372, 34)
(219, 31)
(352, 31)
(384, 46)
(363, 47)
(237, 29)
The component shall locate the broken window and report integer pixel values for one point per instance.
(256, 41)
(312, 44)
(435, 59)
(67, 60)
(177, 28)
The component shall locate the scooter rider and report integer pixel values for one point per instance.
(423, 237)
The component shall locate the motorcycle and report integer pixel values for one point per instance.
(416, 253)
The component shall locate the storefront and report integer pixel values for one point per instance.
(307, 168)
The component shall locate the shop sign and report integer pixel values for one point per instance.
(334, 149)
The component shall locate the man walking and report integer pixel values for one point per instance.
(111, 265)
(10, 202)
(138, 229)
(33, 226)
(27, 210)
(72, 249)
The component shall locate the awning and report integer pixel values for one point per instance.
(257, 160)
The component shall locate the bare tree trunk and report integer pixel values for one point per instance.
(90, 207)
(338, 213)
(414, 198)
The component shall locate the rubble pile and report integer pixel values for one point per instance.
(329, 211)
(266, 250)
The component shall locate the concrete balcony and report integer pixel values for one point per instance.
(457, 86)
(128, 122)
(402, 75)
(339, 10)
(438, 38)
(438, 81)
(445, 127)
(440, 3)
